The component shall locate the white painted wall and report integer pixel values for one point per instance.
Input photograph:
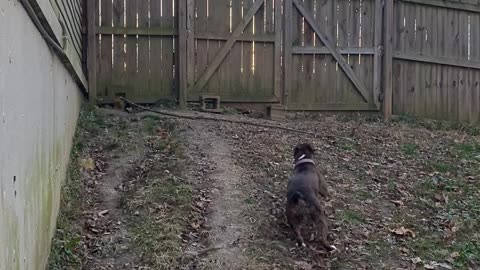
(39, 105)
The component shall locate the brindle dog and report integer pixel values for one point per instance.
(302, 197)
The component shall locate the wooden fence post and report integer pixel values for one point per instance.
(182, 41)
(388, 60)
(287, 63)
(92, 51)
(190, 45)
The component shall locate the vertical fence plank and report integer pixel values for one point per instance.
(388, 59)
(218, 23)
(399, 66)
(332, 66)
(131, 47)
(258, 83)
(366, 65)
(182, 53)
(143, 76)
(377, 61)
(247, 75)
(288, 8)
(322, 18)
(343, 83)
(236, 53)
(118, 72)
(106, 51)
(453, 75)
(156, 61)
(92, 15)
(360, 64)
(278, 50)
(475, 52)
(419, 92)
(190, 44)
(409, 91)
(431, 36)
(267, 73)
(463, 76)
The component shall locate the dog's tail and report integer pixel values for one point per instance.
(296, 197)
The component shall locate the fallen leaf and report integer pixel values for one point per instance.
(303, 265)
(404, 251)
(451, 258)
(441, 198)
(403, 232)
(455, 255)
(416, 260)
(102, 213)
(397, 203)
(87, 164)
(428, 266)
(444, 266)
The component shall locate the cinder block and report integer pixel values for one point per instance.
(276, 112)
(210, 103)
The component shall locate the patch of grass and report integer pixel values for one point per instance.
(431, 247)
(443, 167)
(158, 204)
(151, 125)
(469, 251)
(379, 252)
(351, 216)
(157, 235)
(410, 149)
(347, 146)
(463, 208)
(67, 249)
(392, 186)
(467, 151)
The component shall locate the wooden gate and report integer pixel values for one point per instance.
(137, 47)
(233, 49)
(333, 54)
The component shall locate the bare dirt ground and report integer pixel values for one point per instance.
(185, 194)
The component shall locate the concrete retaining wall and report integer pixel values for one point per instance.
(39, 105)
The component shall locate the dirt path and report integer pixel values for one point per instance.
(224, 218)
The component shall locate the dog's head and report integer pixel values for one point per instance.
(303, 151)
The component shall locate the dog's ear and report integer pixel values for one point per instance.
(296, 150)
(310, 148)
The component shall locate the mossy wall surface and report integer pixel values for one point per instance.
(39, 105)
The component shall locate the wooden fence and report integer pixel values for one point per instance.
(436, 67)
(407, 56)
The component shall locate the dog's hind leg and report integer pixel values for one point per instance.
(320, 219)
(295, 221)
(298, 235)
(323, 231)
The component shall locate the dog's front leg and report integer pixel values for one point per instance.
(322, 187)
